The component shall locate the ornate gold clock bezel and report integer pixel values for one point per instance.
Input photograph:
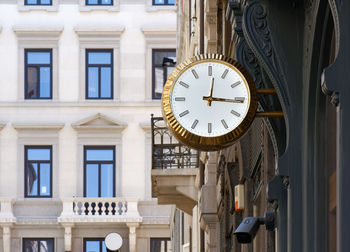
(200, 142)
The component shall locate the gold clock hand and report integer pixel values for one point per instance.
(235, 100)
(210, 91)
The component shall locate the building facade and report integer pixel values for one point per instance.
(294, 166)
(79, 82)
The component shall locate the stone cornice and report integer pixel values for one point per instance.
(115, 31)
(38, 126)
(159, 30)
(37, 31)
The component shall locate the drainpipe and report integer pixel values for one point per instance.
(201, 27)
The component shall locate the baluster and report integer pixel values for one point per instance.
(83, 208)
(90, 208)
(110, 208)
(124, 207)
(76, 207)
(103, 207)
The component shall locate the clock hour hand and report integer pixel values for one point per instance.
(235, 100)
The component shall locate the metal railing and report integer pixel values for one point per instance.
(167, 152)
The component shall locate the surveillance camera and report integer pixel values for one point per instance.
(248, 228)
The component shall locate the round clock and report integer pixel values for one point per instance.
(209, 101)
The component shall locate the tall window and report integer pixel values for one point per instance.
(38, 2)
(99, 170)
(99, 74)
(160, 245)
(163, 2)
(163, 63)
(95, 245)
(38, 245)
(99, 2)
(38, 171)
(38, 73)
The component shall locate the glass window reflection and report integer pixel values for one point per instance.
(38, 165)
(99, 171)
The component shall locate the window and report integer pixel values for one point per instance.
(95, 245)
(38, 245)
(163, 63)
(160, 245)
(99, 2)
(38, 73)
(163, 2)
(38, 2)
(99, 74)
(38, 170)
(99, 171)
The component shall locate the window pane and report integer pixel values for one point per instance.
(93, 82)
(106, 2)
(45, 177)
(91, 183)
(159, 81)
(92, 2)
(99, 155)
(30, 246)
(104, 249)
(31, 2)
(171, 1)
(46, 2)
(45, 80)
(107, 178)
(46, 246)
(92, 246)
(38, 154)
(32, 82)
(38, 58)
(32, 179)
(106, 87)
(158, 1)
(99, 58)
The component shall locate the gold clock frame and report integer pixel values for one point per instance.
(200, 142)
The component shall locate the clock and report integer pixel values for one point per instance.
(209, 102)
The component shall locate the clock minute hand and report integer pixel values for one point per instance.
(235, 100)
(210, 92)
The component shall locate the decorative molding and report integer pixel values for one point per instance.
(258, 37)
(83, 7)
(151, 8)
(99, 32)
(99, 122)
(159, 32)
(38, 126)
(37, 32)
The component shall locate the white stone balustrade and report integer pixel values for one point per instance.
(80, 209)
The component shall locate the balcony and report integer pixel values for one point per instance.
(174, 168)
(87, 210)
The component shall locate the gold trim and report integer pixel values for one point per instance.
(200, 142)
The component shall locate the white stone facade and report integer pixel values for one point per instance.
(68, 121)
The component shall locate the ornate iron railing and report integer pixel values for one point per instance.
(167, 152)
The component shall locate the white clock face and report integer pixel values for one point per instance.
(210, 99)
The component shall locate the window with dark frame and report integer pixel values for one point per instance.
(163, 2)
(160, 245)
(38, 171)
(37, 2)
(99, 74)
(38, 74)
(38, 245)
(95, 245)
(163, 63)
(99, 2)
(99, 171)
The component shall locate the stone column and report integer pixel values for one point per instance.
(6, 237)
(132, 236)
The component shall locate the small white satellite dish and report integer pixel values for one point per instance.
(113, 241)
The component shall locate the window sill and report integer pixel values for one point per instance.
(86, 8)
(49, 8)
(153, 8)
